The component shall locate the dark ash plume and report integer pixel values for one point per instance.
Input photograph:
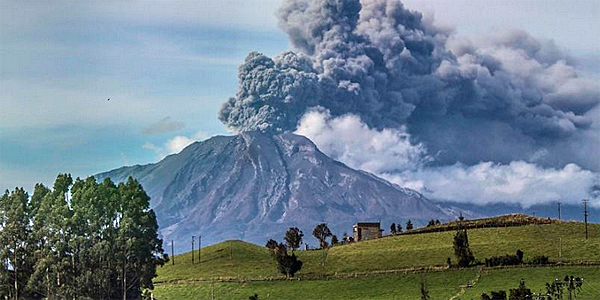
(389, 66)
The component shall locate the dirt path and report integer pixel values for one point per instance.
(472, 283)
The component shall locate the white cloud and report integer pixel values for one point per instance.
(351, 141)
(390, 154)
(175, 144)
(517, 182)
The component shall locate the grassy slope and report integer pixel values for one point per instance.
(441, 285)
(239, 260)
(251, 261)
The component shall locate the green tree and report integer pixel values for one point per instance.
(334, 240)
(393, 228)
(287, 264)
(322, 232)
(463, 253)
(293, 238)
(271, 244)
(409, 225)
(15, 256)
(398, 228)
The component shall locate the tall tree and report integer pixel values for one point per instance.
(14, 235)
(322, 232)
(293, 238)
(393, 228)
(462, 250)
(409, 225)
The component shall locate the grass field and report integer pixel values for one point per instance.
(245, 263)
(441, 285)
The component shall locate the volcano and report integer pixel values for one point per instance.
(254, 186)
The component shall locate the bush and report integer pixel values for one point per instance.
(506, 260)
(539, 260)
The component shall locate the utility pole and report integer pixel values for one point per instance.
(172, 253)
(585, 215)
(199, 250)
(193, 236)
(558, 210)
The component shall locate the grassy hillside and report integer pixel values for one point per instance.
(441, 285)
(240, 260)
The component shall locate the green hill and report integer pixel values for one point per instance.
(381, 263)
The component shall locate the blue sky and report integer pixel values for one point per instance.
(168, 66)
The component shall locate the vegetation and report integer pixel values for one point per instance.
(322, 232)
(393, 228)
(564, 243)
(440, 285)
(293, 238)
(409, 225)
(462, 251)
(101, 243)
(287, 264)
(506, 260)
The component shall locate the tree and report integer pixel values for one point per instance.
(409, 225)
(570, 283)
(293, 238)
(520, 293)
(15, 255)
(424, 292)
(271, 244)
(322, 232)
(82, 240)
(393, 228)
(334, 240)
(463, 253)
(287, 264)
(431, 223)
(398, 228)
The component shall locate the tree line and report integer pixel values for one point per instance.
(80, 239)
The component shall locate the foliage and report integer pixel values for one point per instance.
(334, 240)
(539, 260)
(287, 264)
(506, 260)
(253, 297)
(293, 238)
(271, 244)
(433, 223)
(322, 232)
(520, 293)
(499, 295)
(102, 243)
(555, 290)
(409, 225)
(462, 251)
(393, 228)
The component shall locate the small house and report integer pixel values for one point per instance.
(366, 231)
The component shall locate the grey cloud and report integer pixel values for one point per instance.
(392, 68)
(163, 126)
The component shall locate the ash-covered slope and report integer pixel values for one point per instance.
(254, 186)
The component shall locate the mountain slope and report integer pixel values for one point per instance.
(254, 186)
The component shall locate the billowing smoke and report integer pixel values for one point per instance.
(505, 98)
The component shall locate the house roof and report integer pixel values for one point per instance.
(367, 224)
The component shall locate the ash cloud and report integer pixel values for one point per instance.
(500, 99)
